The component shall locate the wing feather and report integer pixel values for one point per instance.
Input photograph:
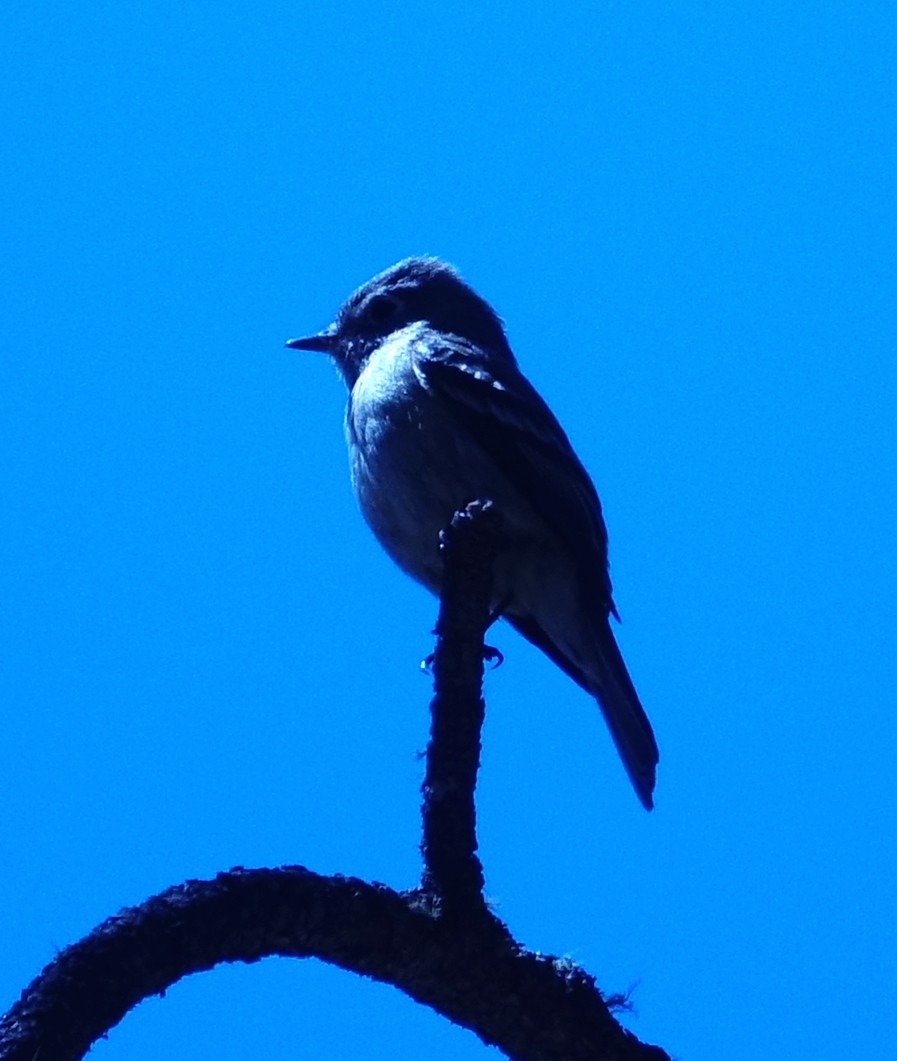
(512, 423)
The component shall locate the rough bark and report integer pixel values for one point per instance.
(439, 943)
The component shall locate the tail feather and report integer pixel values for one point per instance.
(609, 682)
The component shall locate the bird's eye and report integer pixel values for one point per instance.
(382, 308)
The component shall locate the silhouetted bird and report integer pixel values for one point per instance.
(440, 415)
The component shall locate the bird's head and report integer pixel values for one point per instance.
(416, 290)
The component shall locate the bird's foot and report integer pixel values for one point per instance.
(492, 657)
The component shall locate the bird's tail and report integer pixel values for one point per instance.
(605, 677)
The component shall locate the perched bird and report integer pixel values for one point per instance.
(439, 415)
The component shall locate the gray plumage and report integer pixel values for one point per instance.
(439, 414)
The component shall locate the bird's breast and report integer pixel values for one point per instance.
(406, 464)
(414, 464)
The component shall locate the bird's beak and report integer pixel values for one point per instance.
(323, 341)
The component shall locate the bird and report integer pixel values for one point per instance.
(439, 415)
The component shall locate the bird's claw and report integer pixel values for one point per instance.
(492, 656)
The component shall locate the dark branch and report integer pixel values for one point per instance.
(532, 1007)
(243, 915)
(453, 876)
(438, 944)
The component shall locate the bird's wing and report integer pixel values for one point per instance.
(511, 422)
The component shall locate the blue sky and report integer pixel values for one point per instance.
(686, 217)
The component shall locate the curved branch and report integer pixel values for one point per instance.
(243, 915)
(439, 944)
(532, 1007)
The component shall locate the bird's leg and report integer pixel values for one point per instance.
(492, 655)
(498, 611)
